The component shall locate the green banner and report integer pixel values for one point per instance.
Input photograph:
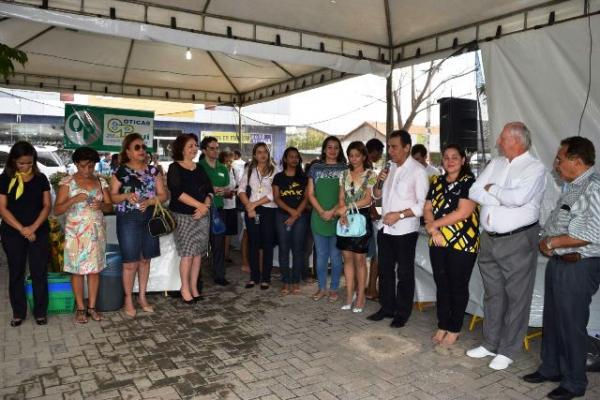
(104, 128)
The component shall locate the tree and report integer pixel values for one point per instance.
(309, 140)
(7, 56)
(420, 96)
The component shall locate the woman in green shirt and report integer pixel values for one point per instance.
(323, 195)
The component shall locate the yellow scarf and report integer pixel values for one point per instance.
(21, 185)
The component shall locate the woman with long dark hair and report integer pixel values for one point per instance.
(289, 192)
(452, 221)
(191, 193)
(323, 195)
(260, 214)
(84, 196)
(24, 207)
(355, 194)
(136, 188)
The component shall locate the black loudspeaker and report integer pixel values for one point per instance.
(458, 123)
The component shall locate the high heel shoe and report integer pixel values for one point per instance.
(130, 312)
(190, 301)
(198, 298)
(147, 308)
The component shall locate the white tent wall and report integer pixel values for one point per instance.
(541, 77)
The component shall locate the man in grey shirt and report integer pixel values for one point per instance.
(571, 238)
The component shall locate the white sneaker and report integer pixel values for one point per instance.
(480, 352)
(500, 362)
(346, 307)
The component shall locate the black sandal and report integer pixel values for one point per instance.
(42, 321)
(16, 322)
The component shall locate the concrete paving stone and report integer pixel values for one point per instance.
(61, 388)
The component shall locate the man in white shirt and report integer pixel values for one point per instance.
(402, 188)
(510, 191)
(237, 165)
(419, 153)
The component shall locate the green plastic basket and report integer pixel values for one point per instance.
(60, 293)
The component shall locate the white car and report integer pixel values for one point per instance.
(48, 161)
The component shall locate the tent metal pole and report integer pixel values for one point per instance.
(240, 128)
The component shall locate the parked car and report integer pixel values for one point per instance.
(48, 161)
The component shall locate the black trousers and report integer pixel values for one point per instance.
(19, 252)
(568, 292)
(261, 236)
(451, 272)
(217, 250)
(397, 262)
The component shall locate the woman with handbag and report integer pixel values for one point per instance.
(260, 214)
(191, 192)
(289, 191)
(84, 197)
(136, 188)
(452, 221)
(323, 194)
(24, 207)
(354, 226)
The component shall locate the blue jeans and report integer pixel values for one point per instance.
(293, 239)
(135, 239)
(326, 250)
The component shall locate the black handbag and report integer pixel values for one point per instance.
(162, 222)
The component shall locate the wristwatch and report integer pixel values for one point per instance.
(402, 216)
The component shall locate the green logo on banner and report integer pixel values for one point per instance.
(83, 128)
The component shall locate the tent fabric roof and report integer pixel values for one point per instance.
(245, 51)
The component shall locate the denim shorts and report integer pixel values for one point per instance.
(135, 240)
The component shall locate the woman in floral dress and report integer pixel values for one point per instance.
(84, 196)
(136, 188)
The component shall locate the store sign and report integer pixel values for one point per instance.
(105, 128)
(233, 138)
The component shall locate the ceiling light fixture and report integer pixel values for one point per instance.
(188, 54)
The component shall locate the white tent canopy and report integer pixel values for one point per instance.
(246, 51)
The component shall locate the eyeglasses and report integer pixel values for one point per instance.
(139, 147)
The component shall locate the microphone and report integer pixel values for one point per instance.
(386, 169)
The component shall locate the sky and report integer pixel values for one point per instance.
(340, 107)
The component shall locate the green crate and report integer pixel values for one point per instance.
(60, 293)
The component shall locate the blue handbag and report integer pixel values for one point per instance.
(217, 226)
(357, 224)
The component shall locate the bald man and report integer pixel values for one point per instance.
(510, 191)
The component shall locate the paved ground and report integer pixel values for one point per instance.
(240, 344)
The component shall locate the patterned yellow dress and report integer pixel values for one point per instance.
(85, 231)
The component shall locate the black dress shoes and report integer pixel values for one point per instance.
(397, 322)
(536, 377)
(560, 393)
(222, 282)
(379, 315)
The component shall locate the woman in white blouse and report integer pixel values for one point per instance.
(256, 194)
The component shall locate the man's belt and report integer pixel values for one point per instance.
(570, 257)
(518, 230)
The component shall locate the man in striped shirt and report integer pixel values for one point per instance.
(571, 238)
